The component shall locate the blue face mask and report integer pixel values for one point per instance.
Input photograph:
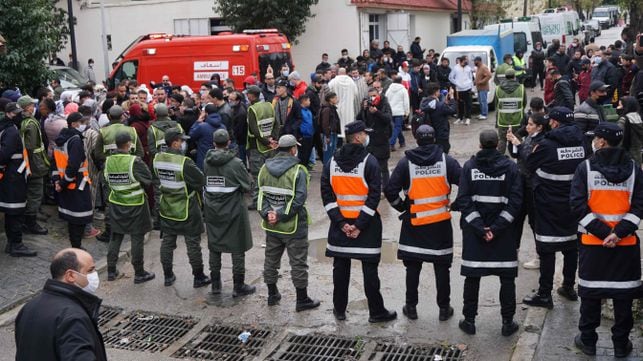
(598, 60)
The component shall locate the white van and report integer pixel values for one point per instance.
(604, 17)
(488, 56)
(557, 26)
(526, 32)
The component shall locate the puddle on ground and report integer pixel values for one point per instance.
(317, 251)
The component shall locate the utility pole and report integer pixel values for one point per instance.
(459, 25)
(72, 35)
(524, 8)
(103, 27)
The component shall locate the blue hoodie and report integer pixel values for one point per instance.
(202, 135)
(306, 128)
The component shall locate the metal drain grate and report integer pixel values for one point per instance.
(146, 331)
(392, 352)
(318, 347)
(221, 343)
(107, 313)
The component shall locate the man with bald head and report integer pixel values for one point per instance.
(347, 93)
(68, 330)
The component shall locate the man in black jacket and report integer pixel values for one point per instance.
(376, 114)
(436, 114)
(563, 95)
(68, 330)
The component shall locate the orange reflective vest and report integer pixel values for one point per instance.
(609, 203)
(350, 188)
(61, 157)
(428, 193)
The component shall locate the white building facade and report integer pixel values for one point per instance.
(337, 24)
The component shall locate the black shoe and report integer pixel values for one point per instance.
(242, 290)
(32, 227)
(169, 280)
(538, 300)
(446, 313)
(104, 237)
(392, 148)
(20, 250)
(383, 317)
(620, 352)
(568, 292)
(339, 316)
(410, 311)
(587, 349)
(307, 304)
(112, 276)
(201, 281)
(216, 285)
(273, 299)
(402, 145)
(144, 277)
(469, 327)
(509, 327)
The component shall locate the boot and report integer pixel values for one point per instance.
(568, 292)
(623, 351)
(410, 311)
(143, 277)
(468, 325)
(112, 274)
(240, 287)
(509, 327)
(200, 279)
(589, 350)
(20, 250)
(105, 236)
(446, 313)
(216, 283)
(170, 278)
(304, 302)
(539, 300)
(32, 227)
(273, 295)
(383, 317)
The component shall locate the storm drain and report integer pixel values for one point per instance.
(216, 342)
(146, 331)
(392, 352)
(107, 313)
(318, 348)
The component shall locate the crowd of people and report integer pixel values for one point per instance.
(162, 156)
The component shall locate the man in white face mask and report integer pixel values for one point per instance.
(70, 292)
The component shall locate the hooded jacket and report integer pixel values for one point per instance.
(633, 133)
(435, 236)
(489, 195)
(510, 86)
(380, 122)
(437, 115)
(563, 95)
(347, 158)
(398, 98)
(13, 185)
(162, 124)
(621, 263)
(553, 163)
(67, 331)
(202, 134)
(225, 213)
(277, 166)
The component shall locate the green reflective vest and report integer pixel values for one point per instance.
(159, 137)
(265, 116)
(175, 198)
(109, 137)
(40, 151)
(519, 63)
(510, 106)
(125, 190)
(280, 193)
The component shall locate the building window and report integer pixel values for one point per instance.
(373, 27)
(192, 26)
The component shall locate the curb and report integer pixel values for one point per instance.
(527, 343)
(10, 312)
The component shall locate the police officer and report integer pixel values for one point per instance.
(490, 198)
(553, 162)
(519, 65)
(179, 209)
(226, 216)
(126, 176)
(510, 104)
(425, 174)
(13, 185)
(350, 188)
(71, 179)
(35, 155)
(607, 198)
(105, 146)
(263, 132)
(156, 144)
(283, 189)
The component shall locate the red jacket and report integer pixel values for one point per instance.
(300, 90)
(549, 86)
(584, 79)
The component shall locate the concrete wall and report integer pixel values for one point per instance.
(433, 28)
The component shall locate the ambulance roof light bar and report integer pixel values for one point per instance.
(260, 31)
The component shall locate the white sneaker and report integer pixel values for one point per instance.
(467, 121)
(533, 264)
(459, 121)
(482, 117)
